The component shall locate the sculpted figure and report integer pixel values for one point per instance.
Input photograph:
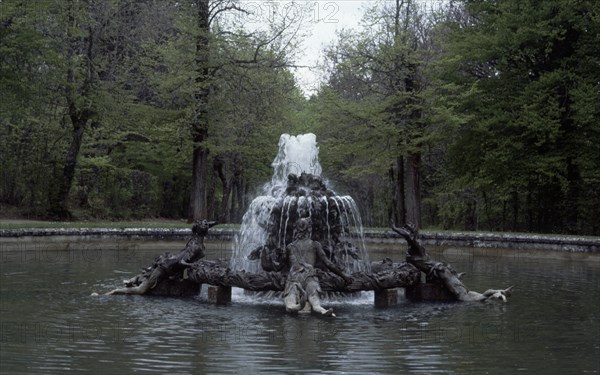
(302, 284)
(169, 265)
(418, 257)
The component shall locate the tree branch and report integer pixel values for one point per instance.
(226, 8)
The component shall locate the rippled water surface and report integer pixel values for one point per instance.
(51, 324)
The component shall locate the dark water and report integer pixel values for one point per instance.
(51, 324)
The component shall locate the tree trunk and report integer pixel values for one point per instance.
(370, 221)
(198, 207)
(232, 207)
(398, 198)
(515, 207)
(413, 189)
(225, 212)
(530, 209)
(199, 123)
(226, 189)
(504, 209)
(79, 116)
(571, 216)
(59, 206)
(237, 195)
(212, 191)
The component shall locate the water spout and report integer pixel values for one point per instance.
(296, 191)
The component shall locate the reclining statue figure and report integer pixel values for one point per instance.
(169, 265)
(441, 272)
(302, 283)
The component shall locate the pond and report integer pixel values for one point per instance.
(51, 324)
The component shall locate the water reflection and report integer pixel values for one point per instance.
(50, 324)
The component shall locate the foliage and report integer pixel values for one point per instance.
(377, 90)
(480, 115)
(498, 101)
(130, 65)
(527, 141)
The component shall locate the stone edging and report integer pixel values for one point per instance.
(501, 240)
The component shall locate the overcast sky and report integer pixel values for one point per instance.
(327, 18)
(323, 21)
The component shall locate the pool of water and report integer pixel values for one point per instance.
(50, 324)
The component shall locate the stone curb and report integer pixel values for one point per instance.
(502, 240)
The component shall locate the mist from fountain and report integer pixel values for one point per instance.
(297, 190)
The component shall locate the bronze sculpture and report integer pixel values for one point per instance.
(302, 283)
(169, 265)
(306, 252)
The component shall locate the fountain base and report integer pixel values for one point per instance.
(173, 276)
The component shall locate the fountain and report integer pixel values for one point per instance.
(297, 191)
(302, 239)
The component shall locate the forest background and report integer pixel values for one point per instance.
(470, 115)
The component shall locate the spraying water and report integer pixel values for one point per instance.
(297, 191)
(296, 155)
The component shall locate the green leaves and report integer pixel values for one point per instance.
(521, 65)
(499, 99)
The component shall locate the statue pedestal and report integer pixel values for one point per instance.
(219, 295)
(386, 297)
(429, 292)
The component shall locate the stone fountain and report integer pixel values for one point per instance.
(301, 239)
(298, 191)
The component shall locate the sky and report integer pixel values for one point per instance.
(321, 24)
(326, 19)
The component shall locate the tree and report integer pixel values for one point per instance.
(527, 142)
(28, 81)
(213, 54)
(102, 98)
(78, 93)
(380, 73)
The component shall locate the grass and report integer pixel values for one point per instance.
(155, 223)
(170, 223)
